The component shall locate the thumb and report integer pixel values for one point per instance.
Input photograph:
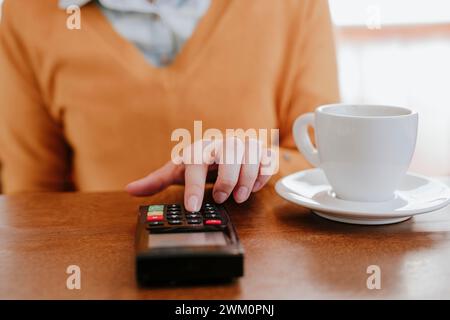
(156, 181)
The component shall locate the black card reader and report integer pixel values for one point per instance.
(176, 246)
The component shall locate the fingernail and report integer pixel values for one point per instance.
(193, 203)
(129, 187)
(220, 196)
(242, 194)
(256, 186)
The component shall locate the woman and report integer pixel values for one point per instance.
(94, 108)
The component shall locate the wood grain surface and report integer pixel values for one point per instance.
(289, 252)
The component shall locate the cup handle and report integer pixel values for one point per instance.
(302, 140)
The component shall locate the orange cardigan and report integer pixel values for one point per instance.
(85, 106)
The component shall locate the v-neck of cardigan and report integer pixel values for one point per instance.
(131, 57)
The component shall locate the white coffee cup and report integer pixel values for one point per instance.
(364, 150)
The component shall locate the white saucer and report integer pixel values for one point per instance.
(417, 194)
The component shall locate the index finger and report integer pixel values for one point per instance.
(195, 178)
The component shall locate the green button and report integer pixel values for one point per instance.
(155, 208)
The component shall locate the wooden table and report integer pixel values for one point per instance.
(290, 253)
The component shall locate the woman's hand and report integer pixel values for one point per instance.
(239, 167)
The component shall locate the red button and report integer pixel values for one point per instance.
(155, 218)
(213, 222)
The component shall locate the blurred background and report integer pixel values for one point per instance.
(397, 52)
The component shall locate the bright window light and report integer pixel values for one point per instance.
(390, 12)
